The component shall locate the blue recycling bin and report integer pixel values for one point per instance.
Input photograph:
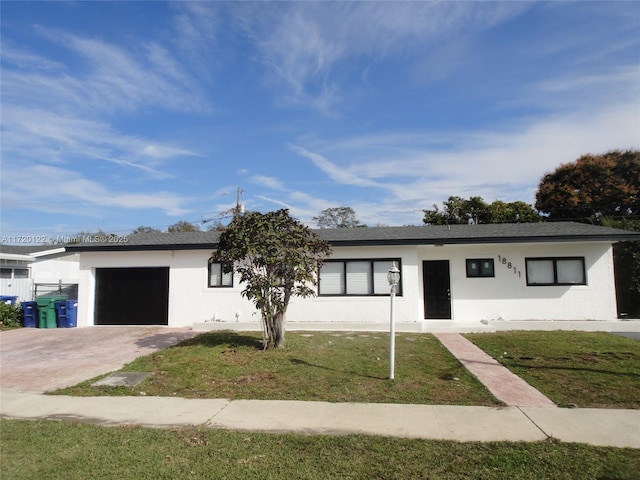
(72, 313)
(66, 313)
(31, 314)
(8, 299)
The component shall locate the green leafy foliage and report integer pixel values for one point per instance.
(338, 217)
(183, 226)
(593, 187)
(143, 229)
(458, 210)
(10, 316)
(276, 257)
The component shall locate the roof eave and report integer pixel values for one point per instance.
(486, 240)
(139, 248)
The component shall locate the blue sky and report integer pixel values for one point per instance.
(121, 114)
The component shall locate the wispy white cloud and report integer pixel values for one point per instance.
(266, 181)
(49, 188)
(302, 43)
(342, 174)
(116, 79)
(43, 136)
(197, 26)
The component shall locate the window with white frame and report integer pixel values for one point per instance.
(556, 271)
(218, 277)
(360, 277)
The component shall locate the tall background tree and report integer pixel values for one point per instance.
(143, 229)
(277, 257)
(338, 217)
(183, 226)
(592, 188)
(458, 210)
(605, 190)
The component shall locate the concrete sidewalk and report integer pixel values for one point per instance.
(616, 428)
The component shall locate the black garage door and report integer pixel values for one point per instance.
(132, 296)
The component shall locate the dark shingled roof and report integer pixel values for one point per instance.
(415, 235)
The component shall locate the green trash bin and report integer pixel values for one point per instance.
(47, 309)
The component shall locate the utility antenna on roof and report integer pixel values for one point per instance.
(234, 212)
(239, 210)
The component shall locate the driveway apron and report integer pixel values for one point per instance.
(40, 360)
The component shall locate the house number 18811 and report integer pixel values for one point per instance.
(509, 265)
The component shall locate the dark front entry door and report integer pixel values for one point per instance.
(437, 289)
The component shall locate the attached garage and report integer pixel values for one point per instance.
(132, 296)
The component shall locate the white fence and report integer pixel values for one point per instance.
(17, 287)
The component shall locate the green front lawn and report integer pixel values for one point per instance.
(335, 367)
(66, 450)
(580, 369)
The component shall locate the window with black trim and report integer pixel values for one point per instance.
(480, 267)
(556, 271)
(361, 277)
(218, 277)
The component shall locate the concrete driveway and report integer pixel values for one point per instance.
(40, 360)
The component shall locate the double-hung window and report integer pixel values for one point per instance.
(357, 277)
(556, 271)
(218, 277)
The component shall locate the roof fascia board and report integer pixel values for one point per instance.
(486, 241)
(53, 251)
(16, 256)
(139, 248)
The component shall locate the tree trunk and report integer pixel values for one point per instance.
(273, 331)
(278, 337)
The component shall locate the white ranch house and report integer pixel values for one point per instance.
(451, 275)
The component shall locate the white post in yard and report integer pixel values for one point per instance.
(393, 277)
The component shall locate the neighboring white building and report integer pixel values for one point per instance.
(30, 271)
(458, 273)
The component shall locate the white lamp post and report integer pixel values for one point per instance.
(394, 278)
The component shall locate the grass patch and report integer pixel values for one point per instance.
(67, 450)
(335, 367)
(580, 369)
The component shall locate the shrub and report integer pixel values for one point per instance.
(10, 316)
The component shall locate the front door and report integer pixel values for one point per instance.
(437, 289)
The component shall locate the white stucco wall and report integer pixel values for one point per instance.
(507, 295)
(504, 296)
(52, 269)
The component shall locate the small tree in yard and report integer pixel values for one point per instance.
(277, 257)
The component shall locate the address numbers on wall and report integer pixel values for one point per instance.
(509, 265)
